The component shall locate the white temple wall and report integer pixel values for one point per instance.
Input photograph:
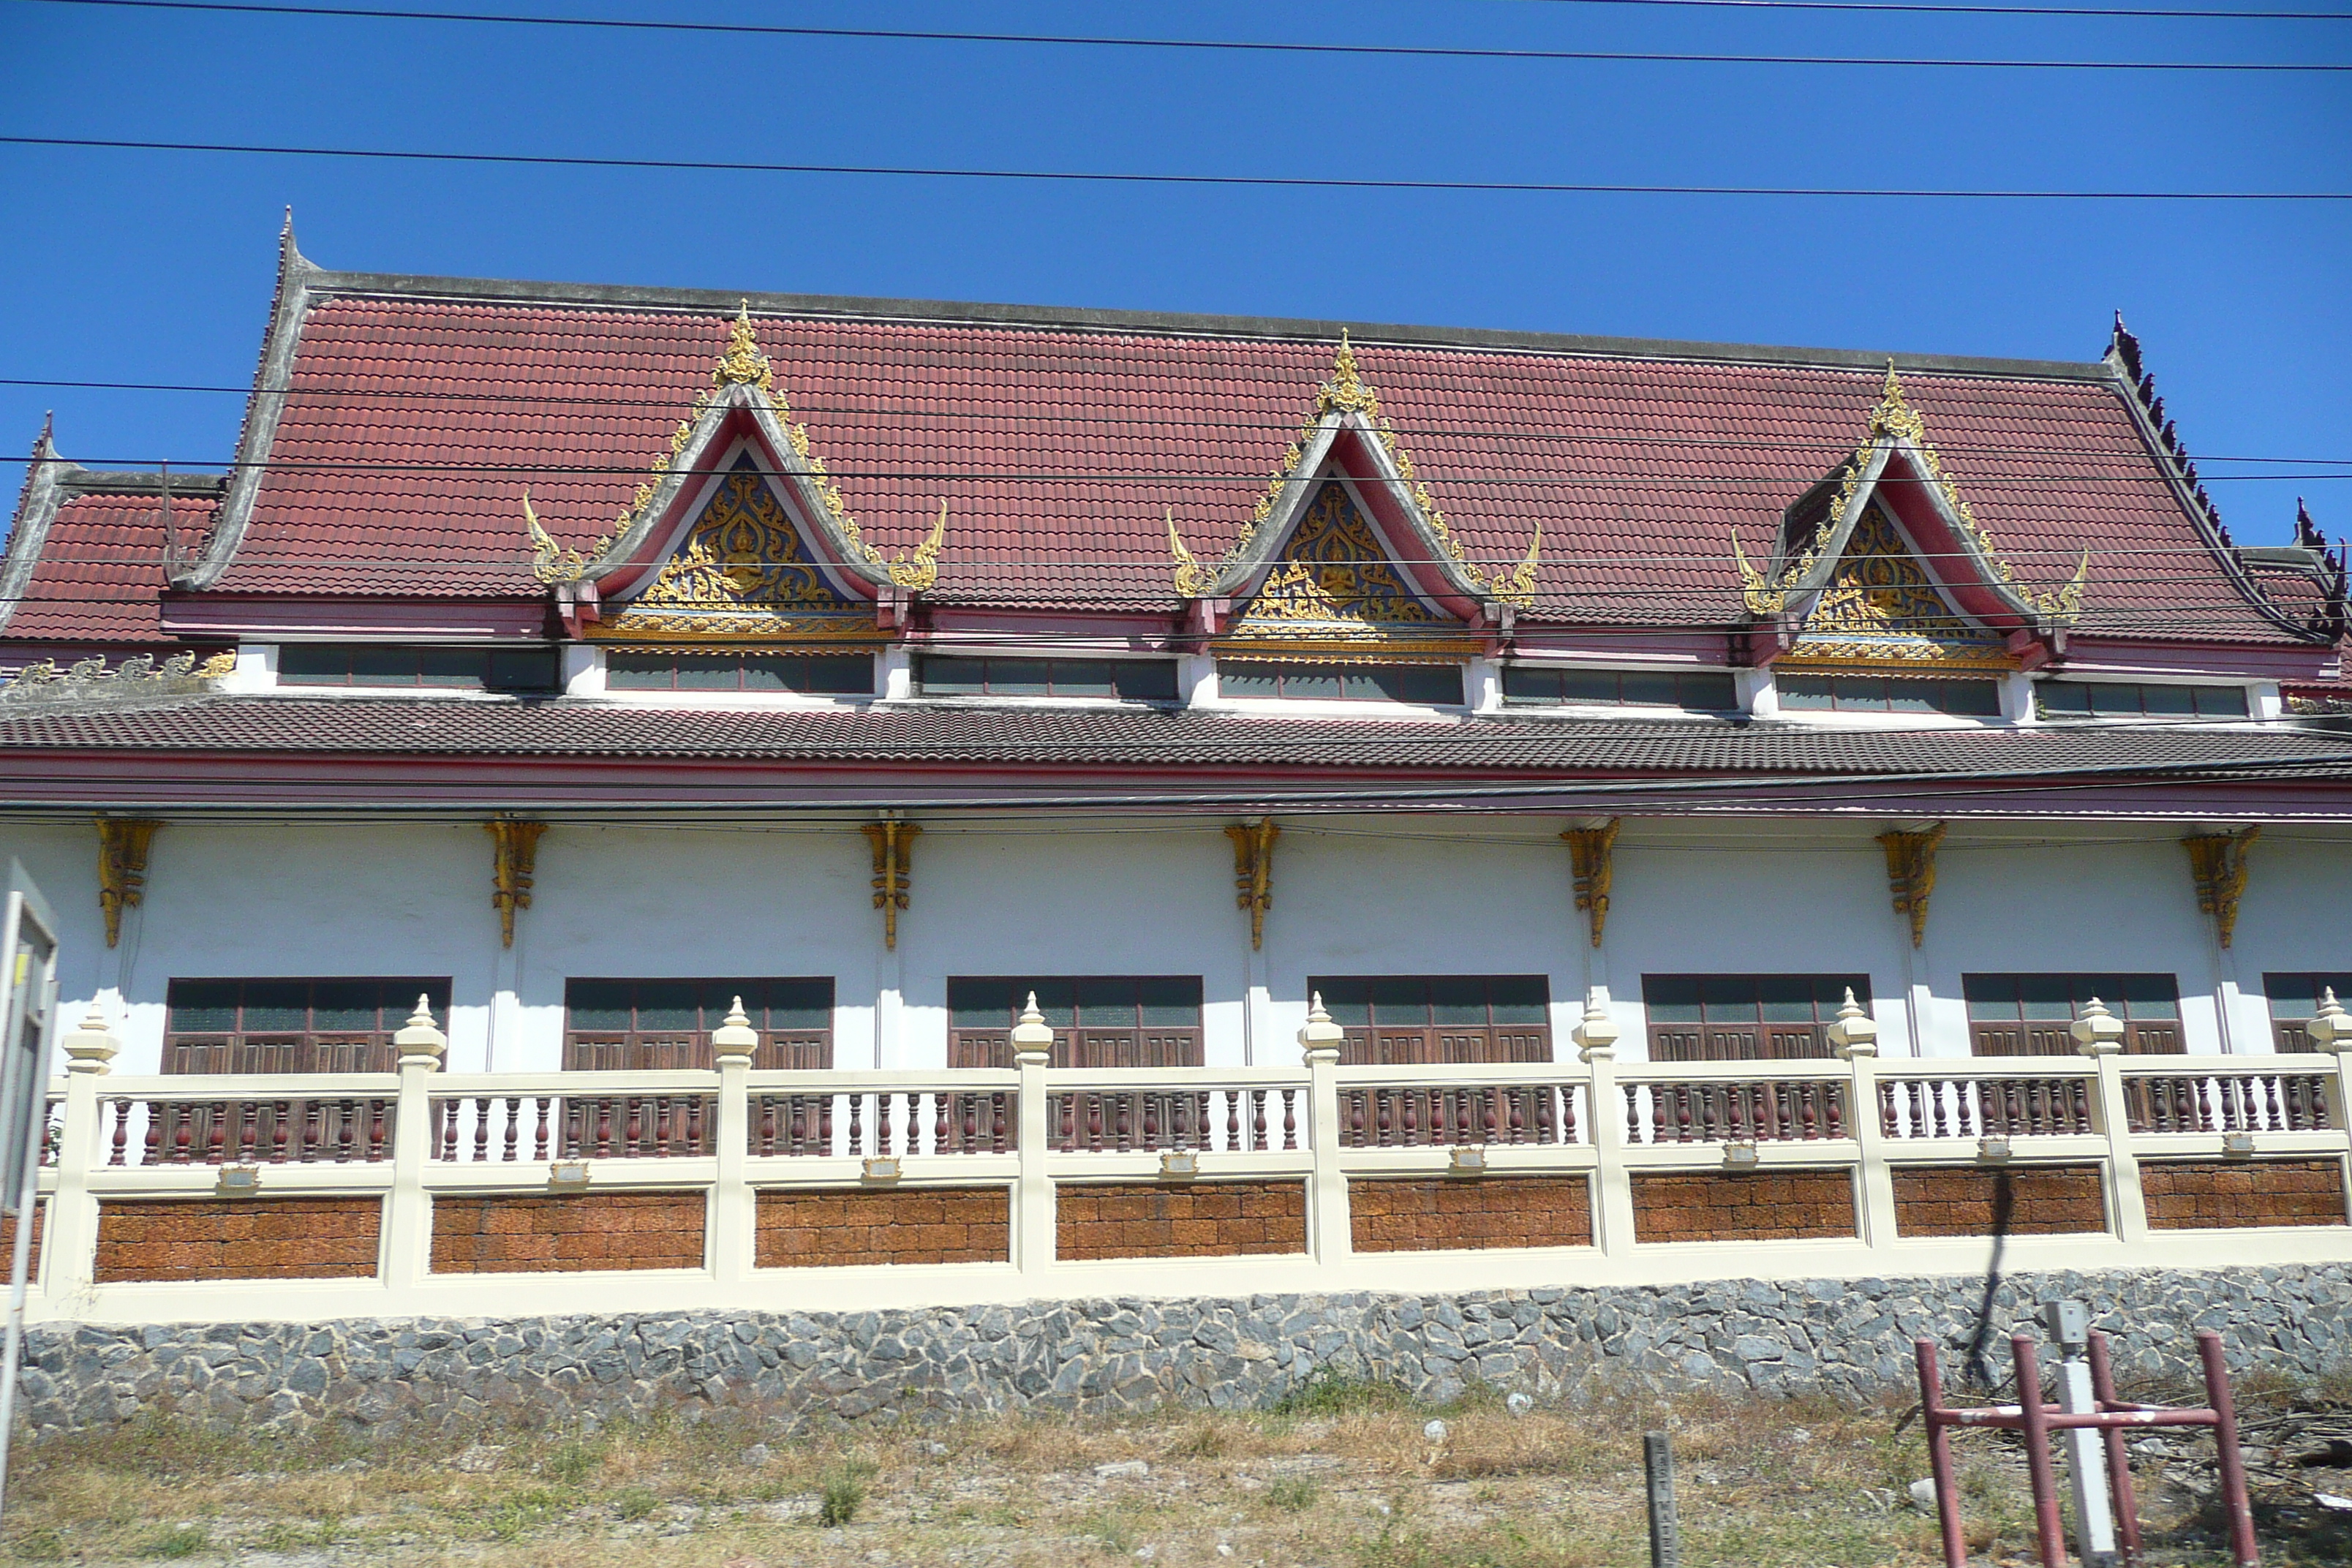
(1352, 895)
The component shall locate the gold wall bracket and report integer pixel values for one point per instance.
(1253, 872)
(893, 841)
(1591, 853)
(2218, 862)
(122, 845)
(514, 855)
(1911, 874)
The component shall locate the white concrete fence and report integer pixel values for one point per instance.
(418, 1136)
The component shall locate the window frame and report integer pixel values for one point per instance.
(924, 663)
(2197, 692)
(1079, 1042)
(637, 1048)
(1378, 1042)
(2288, 1033)
(742, 660)
(238, 1050)
(2143, 1036)
(1759, 1038)
(1987, 686)
(483, 677)
(1617, 676)
(1284, 671)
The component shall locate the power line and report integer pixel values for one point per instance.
(1082, 176)
(360, 400)
(1240, 46)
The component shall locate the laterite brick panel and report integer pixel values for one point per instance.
(8, 1241)
(237, 1238)
(1443, 1214)
(2199, 1194)
(2044, 1200)
(1150, 1219)
(1745, 1206)
(814, 1230)
(584, 1233)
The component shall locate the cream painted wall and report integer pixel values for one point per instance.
(1352, 895)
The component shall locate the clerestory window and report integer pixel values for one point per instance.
(2294, 1002)
(1745, 1017)
(291, 1026)
(2030, 1014)
(1410, 1020)
(658, 1025)
(1099, 1020)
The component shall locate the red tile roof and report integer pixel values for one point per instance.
(417, 419)
(100, 576)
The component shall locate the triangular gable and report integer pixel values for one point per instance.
(1382, 521)
(741, 424)
(1881, 603)
(1895, 477)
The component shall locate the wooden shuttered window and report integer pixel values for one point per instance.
(1099, 1020)
(661, 1026)
(2031, 1014)
(1745, 1017)
(1408, 1020)
(2294, 1002)
(247, 1027)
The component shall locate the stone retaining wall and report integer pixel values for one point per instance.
(450, 1374)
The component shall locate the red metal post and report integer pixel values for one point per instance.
(2036, 1420)
(2119, 1476)
(1939, 1454)
(2243, 1552)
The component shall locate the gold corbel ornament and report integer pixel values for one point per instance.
(2218, 862)
(1911, 873)
(122, 845)
(1254, 871)
(1591, 853)
(514, 855)
(893, 842)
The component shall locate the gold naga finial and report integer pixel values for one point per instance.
(1346, 389)
(742, 362)
(549, 562)
(1518, 586)
(1193, 581)
(921, 570)
(1893, 416)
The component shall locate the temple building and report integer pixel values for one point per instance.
(585, 658)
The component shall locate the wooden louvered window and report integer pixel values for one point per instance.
(290, 1026)
(1098, 1021)
(2294, 1002)
(661, 1026)
(2029, 1015)
(1745, 1017)
(1413, 1020)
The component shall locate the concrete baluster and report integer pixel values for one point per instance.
(2099, 1035)
(1330, 1229)
(69, 1238)
(408, 1212)
(1854, 1037)
(1596, 1048)
(1032, 1195)
(734, 1206)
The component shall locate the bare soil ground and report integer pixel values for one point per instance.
(1341, 1476)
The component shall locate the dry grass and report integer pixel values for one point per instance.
(1340, 1477)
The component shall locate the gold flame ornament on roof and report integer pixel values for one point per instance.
(1347, 392)
(1895, 419)
(741, 364)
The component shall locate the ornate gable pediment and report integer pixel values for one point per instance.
(737, 531)
(1884, 561)
(1346, 500)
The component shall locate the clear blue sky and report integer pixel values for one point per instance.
(156, 267)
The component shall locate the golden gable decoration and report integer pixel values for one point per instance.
(1348, 392)
(741, 364)
(1880, 604)
(1895, 419)
(743, 571)
(1333, 585)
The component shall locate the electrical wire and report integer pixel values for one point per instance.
(1084, 176)
(1898, 7)
(1196, 46)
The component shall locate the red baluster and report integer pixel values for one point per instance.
(514, 1124)
(481, 1127)
(603, 1125)
(998, 1105)
(1289, 1119)
(1233, 1118)
(914, 1137)
(347, 1114)
(939, 1124)
(539, 1141)
(121, 1140)
(1258, 1119)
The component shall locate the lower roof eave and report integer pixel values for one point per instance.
(55, 783)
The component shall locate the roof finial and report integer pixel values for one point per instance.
(1893, 416)
(1193, 581)
(2306, 532)
(1346, 389)
(742, 362)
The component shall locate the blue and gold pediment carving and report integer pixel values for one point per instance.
(743, 571)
